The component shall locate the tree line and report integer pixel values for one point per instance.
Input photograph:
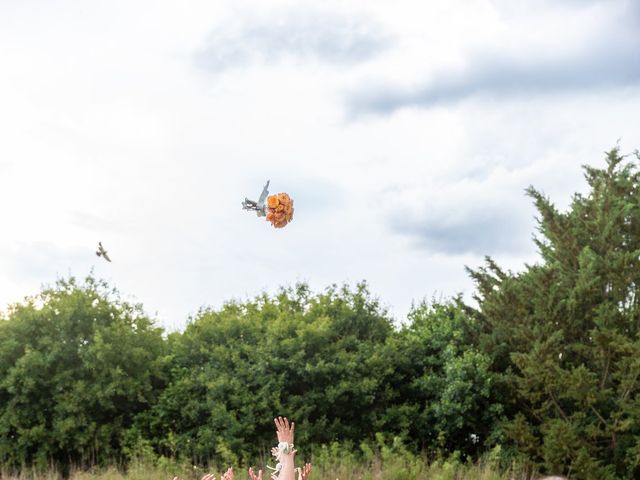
(544, 365)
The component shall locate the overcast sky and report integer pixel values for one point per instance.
(405, 131)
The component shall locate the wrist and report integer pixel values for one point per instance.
(288, 458)
(285, 447)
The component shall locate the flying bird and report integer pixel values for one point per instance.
(101, 252)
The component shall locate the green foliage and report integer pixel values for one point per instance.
(76, 365)
(330, 462)
(316, 359)
(389, 458)
(563, 334)
(446, 383)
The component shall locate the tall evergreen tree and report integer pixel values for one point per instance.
(563, 334)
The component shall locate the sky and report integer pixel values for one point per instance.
(406, 132)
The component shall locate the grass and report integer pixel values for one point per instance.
(324, 468)
(399, 471)
(383, 461)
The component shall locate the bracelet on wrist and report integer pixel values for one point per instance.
(285, 447)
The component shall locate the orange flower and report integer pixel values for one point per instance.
(280, 209)
(272, 201)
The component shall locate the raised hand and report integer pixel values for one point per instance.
(304, 472)
(253, 476)
(228, 475)
(284, 431)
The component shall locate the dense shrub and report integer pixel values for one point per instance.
(76, 366)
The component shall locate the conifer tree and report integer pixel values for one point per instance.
(563, 334)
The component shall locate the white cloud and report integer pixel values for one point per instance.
(293, 32)
(111, 133)
(589, 47)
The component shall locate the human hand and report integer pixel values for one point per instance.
(304, 472)
(284, 431)
(253, 476)
(228, 475)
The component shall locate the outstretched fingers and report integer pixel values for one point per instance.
(284, 431)
(228, 475)
(282, 424)
(304, 472)
(253, 476)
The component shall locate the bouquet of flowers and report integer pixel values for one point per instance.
(279, 209)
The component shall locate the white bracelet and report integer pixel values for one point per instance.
(285, 447)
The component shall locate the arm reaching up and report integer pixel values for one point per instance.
(285, 453)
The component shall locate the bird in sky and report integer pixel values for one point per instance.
(101, 252)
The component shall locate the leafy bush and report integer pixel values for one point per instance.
(76, 366)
